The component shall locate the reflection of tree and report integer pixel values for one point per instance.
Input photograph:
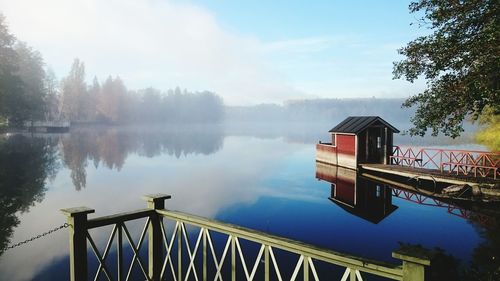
(485, 264)
(96, 145)
(75, 151)
(111, 145)
(180, 140)
(25, 165)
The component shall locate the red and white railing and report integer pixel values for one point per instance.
(465, 162)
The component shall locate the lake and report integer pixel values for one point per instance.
(261, 176)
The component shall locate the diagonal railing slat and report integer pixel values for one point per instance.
(218, 262)
(135, 256)
(313, 269)
(99, 258)
(106, 251)
(249, 276)
(192, 254)
(275, 264)
(168, 247)
(297, 268)
(135, 249)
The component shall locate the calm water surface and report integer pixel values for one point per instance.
(262, 177)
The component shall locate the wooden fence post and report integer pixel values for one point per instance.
(77, 219)
(155, 239)
(415, 259)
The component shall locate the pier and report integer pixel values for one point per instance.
(431, 175)
(365, 143)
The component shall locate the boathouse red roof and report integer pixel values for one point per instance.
(357, 124)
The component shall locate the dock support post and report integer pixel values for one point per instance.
(415, 259)
(155, 247)
(77, 219)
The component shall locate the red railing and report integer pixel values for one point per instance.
(466, 162)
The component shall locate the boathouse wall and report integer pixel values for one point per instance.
(341, 152)
(326, 153)
(346, 150)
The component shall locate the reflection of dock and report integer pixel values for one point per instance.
(369, 196)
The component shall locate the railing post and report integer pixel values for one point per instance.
(155, 247)
(179, 250)
(305, 268)
(204, 253)
(414, 261)
(77, 219)
(233, 258)
(266, 263)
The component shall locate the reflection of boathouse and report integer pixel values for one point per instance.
(359, 196)
(357, 140)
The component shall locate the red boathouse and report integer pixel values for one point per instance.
(358, 140)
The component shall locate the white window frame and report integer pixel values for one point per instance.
(334, 139)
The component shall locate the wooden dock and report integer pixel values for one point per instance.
(429, 174)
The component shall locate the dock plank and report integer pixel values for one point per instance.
(429, 174)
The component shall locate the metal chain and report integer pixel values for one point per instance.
(65, 225)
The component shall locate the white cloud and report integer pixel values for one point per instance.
(149, 43)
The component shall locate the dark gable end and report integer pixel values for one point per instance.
(357, 124)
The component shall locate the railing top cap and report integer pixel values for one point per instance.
(446, 149)
(77, 210)
(156, 196)
(413, 254)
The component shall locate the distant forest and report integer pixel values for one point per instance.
(112, 103)
(322, 110)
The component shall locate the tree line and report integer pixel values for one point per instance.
(322, 110)
(30, 91)
(110, 102)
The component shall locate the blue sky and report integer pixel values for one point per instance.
(281, 20)
(249, 52)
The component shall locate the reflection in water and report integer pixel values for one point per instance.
(224, 184)
(261, 179)
(372, 201)
(25, 165)
(485, 264)
(361, 197)
(110, 146)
